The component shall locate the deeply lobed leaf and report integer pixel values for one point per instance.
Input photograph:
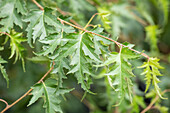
(120, 72)
(47, 90)
(151, 72)
(3, 71)
(9, 14)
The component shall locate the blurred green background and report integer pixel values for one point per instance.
(145, 23)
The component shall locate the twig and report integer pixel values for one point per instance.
(27, 93)
(67, 13)
(63, 12)
(5, 34)
(90, 20)
(4, 102)
(36, 3)
(154, 101)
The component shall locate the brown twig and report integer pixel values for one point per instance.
(67, 13)
(154, 101)
(9, 106)
(37, 4)
(63, 12)
(4, 102)
(5, 34)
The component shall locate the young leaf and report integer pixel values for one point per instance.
(151, 72)
(15, 43)
(152, 37)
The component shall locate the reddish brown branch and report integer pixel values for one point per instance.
(27, 93)
(67, 13)
(4, 102)
(5, 33)
(154, 101)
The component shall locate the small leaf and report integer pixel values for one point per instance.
(151, 72)
(37, 93)
(39, 59)
(56, 40)
(3, 71)
(15, 43)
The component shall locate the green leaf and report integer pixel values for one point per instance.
(151, 72)
(104, 13)
(53, 41)
(47, 91)
(138, 102)
(100, 44)
(120, 72)
(15, 44)
(152, 31)
(51, 20)
(165, 8)
(115, 18)
(42, 24)
(9, 15)
(1, 48)
(2, 60)
(51, 100)
(80, 5)
(59, 70)
(3, 71)
(37, 93)
(84, 48)
(39, 59)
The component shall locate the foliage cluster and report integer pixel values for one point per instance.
(87, 62)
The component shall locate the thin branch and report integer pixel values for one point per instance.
(63, 12)
(27, 93)
(37, 4)
(154, 101)
(5, 34)
(67, 13)
(90, 20)
(4, 102)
